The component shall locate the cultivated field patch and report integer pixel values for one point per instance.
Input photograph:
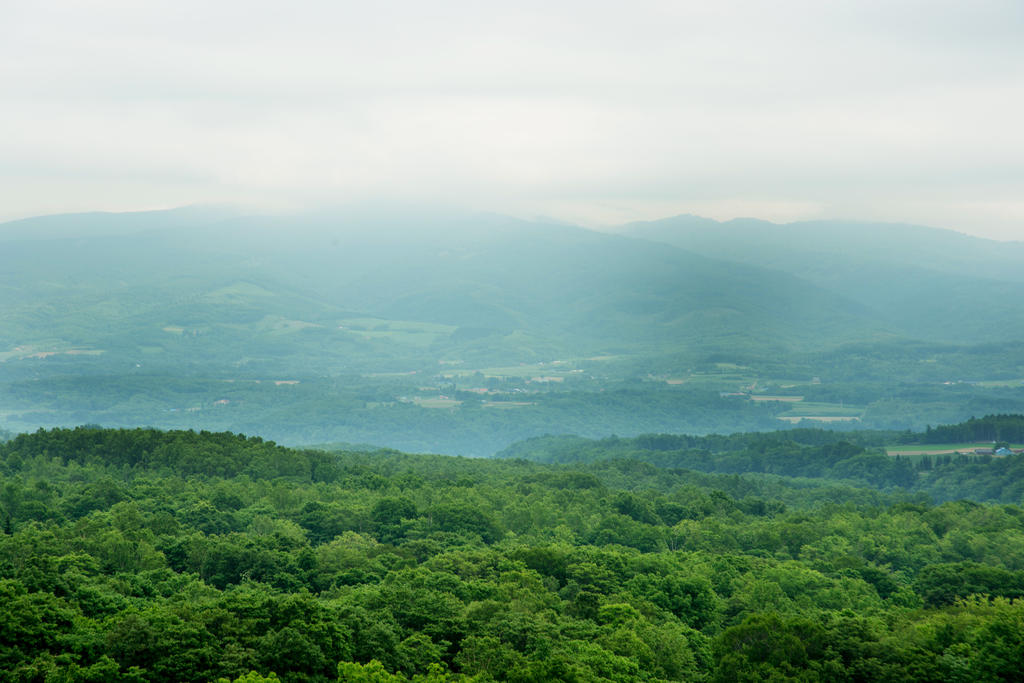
(439, 402)
(27, 352)
(942, 448)
(507, 404)
(404, 332)
(817, 409)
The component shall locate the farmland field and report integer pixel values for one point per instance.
(405, 332)
(1001, 383)
(941, 448)
(507, 404)
(437, 402)
(816, 409)
(550, 369)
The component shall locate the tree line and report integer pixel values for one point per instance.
(995, 428)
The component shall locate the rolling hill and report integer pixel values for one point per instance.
(925, 283)
(495, 286)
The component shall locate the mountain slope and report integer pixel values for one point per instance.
(927, 283)
(564, 289)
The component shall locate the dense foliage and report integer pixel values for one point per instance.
(989, 428)
(174, 556)
(851, 457)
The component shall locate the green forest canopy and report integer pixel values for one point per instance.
(182, 556)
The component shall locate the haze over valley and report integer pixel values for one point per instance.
(459, 332)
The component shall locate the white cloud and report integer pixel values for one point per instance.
(599, 111)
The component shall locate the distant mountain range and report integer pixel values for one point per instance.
(499, 284)
(199, 284)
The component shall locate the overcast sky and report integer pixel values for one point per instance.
(593, 112)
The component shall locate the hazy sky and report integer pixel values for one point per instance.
(595, 112)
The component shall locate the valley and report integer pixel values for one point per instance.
(460, 333)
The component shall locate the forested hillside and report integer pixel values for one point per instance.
(855, 458)
(994, 428)
(130, 555)
(930, 283)
(552, 288)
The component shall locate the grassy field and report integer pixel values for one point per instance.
(404, 332)
(815, 409)
(518, 371)
(56, 349)
(552, 369)
(236, 293)
(436, 402)
(721, 381)
(507, 404)
(940, 448)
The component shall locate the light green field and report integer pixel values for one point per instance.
(45, 351)
(506, 371)
(437, 402)
(276, 323)
(554, 369)
(239, 291)
(822, 412)
(730, 381)
(381, 325)
(940, 448)
(730, 366)
(813, 409)
(404, 332)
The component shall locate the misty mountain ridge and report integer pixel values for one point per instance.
(568, 289)
(494, 288)
(898, 243)
(928, 283)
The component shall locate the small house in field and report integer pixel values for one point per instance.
(984, 451)
(1003, 451)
